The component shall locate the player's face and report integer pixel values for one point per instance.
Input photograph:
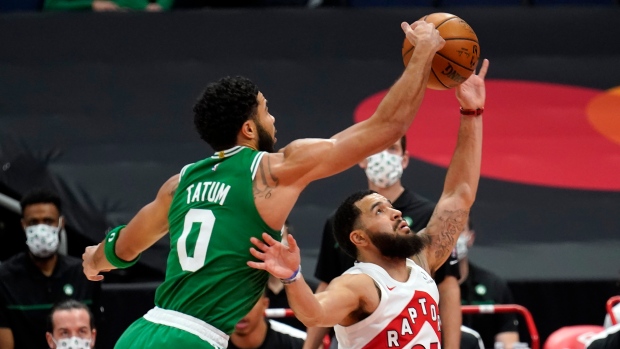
(265, 124)
(386, 228)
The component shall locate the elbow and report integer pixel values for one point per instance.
(466, 194)
(310, 322)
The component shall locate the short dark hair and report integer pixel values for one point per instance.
(403, 143)
(68, 304)
(40, 196)
(223, 108)
(346, 220)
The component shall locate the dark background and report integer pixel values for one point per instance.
(98, 107)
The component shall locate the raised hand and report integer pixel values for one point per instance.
(423, 34)
(471, 94)
(278, 259)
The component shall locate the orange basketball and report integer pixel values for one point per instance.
(457, 60)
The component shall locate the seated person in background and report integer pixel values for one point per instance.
(470, 339)
(107, 5)
(616, 310)
(480, 286)
(71, 325)
(30, 282)
(254, 331)
(275, 290)
(610, 337)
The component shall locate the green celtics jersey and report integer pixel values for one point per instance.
(212, 218)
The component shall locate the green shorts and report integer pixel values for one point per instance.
(145, 334)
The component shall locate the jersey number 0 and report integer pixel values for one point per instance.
(206, 219)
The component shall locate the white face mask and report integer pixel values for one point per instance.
(461, 246)
(384, 169)
(72, 343)
(42, 239)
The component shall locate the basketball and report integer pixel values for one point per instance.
(457, 60)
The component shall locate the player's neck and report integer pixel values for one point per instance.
(391, 193)
(251, 340)
(395, 267)
(245, 142)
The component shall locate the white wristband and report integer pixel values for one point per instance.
(293, 277)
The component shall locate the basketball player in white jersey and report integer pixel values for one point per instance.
(386, 300)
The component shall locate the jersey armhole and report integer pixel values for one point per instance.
(183, 170)
(257, 158)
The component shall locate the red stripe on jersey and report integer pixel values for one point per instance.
(406, 325)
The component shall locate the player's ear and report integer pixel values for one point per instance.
(358, 237)
(248, 129)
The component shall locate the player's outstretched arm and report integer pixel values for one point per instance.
(145, 228)
(324, 309)
(462, 177)
(310, 159)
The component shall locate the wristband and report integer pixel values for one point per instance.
(110, 254)
(472, 112)
(293, 277)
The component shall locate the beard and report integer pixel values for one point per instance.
(265, 141)
(396, 246)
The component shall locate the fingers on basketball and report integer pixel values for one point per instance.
(457, 60)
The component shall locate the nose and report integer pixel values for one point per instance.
(396, 214)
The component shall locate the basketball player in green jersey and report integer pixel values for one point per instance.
(213, 207)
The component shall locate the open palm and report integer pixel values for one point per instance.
(278, 259)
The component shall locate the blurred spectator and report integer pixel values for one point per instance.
(610, 337)
(470, 339)
(70, 325)
(275, 289)
(480, 286)
(254, 331)
(616, 311)
(31, 282)
(384, 171)
(107, 5)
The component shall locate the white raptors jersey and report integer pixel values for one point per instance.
(407, 315)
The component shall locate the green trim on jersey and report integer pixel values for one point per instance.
(212, 217)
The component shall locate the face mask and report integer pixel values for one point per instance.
(461, 246)
(72, 343)
(42, 239)
(384, 169)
